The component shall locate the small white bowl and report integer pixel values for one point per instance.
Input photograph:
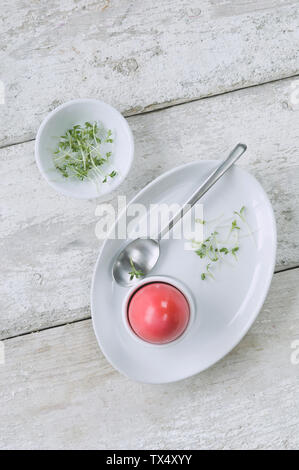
(65, 117)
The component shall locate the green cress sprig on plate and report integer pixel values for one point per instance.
(135, 272)
(214, 250)
(83, 151)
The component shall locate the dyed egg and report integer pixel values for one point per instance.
(158, 313)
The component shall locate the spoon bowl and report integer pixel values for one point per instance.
(141, 255)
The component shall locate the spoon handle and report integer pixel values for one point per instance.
(206, 185)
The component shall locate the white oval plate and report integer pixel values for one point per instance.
(224, 309)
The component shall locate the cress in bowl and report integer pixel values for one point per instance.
(84, 148)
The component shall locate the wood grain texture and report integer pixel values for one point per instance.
(53, 51)
(48, 244)
(58, 391)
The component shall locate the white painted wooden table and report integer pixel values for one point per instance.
(194, 77)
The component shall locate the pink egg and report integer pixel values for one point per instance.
(158, 313)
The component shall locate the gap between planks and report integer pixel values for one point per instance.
(158, 107)
(88, 317)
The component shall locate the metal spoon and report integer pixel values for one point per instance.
(143, 254)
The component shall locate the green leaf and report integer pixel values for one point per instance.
(79, 151)
(135, 272)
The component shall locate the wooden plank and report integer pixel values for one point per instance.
(172, 51)
(48, 243)
(58, 391)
